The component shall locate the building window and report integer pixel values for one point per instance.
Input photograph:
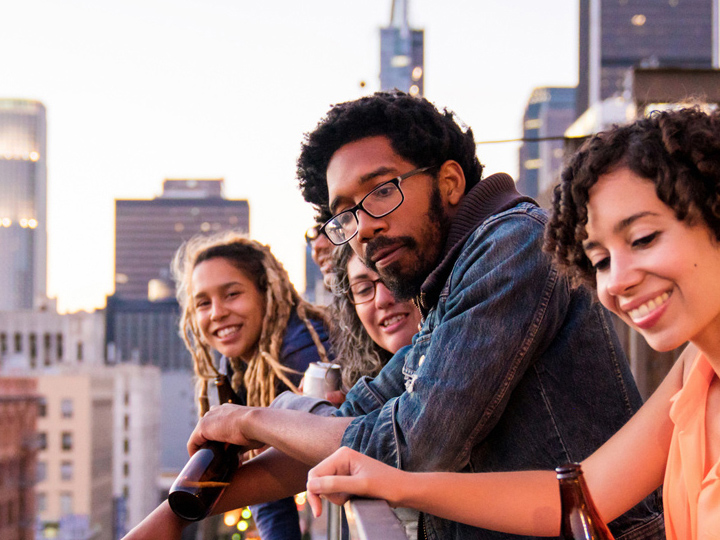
(66, 470)
(41, 471)
(42, 407)
(66, 504)
(127, 422)
(67, 440)
(80, 351)
(47, 348)
(126, 469)
(18, 342)
(41, 502)
(66, 408)
(42, 440)
(33, 346)
(59, 347)
(126, 446)
(3, 343)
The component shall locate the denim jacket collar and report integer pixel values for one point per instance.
(490, 196)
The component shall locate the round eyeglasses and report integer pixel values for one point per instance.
(363, 291)
(381, 201)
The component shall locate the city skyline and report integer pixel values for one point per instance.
(142, 91)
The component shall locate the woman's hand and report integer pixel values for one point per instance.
(346, 473)
(223, 423)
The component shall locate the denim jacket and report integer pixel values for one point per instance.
(511, 370)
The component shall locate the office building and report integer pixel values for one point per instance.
(33, 341)
(74, 488)
(148, 232)
(616, 35)
(136, 444)
(23, 202)
(548, 114)
(402, 53)
(18, 417)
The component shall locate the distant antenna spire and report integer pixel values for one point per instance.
(401, 53)
(398, 16)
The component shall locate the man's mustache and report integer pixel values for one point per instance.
(383, 242)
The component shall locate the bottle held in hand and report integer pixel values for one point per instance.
(208, 472)
(580, 518)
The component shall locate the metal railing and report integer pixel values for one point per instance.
(368, 519)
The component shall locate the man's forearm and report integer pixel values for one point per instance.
(269, 477)
(304, 437)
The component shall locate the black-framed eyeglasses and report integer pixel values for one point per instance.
(381, 201)
(363, 291)
(312, 233)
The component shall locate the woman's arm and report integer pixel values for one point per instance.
(623, 471)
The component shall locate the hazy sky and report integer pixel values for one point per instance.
(142, 90)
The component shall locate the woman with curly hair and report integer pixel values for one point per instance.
(237, 301)
(369, 324)
(637, 217)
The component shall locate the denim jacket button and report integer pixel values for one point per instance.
(422, 359)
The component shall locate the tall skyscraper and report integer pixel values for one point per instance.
(402, 53)
(148, 232)
(548, 114)
(616, 35)
(23, 204)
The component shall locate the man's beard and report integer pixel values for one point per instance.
(404, 282)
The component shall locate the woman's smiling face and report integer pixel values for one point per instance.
(389, 323)
(658, 274)
(228, 308)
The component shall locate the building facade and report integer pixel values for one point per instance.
(34, 341)
(18, 418)
(136, 463)
(23, 204)
(149, 232)
(74, 488)
(616, 35)
(402, 53)
(548, 114)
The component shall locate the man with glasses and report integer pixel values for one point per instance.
(512, 369)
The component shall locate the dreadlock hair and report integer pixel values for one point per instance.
(263, 371)
(417, 130)
(677, 150)
(354, 349)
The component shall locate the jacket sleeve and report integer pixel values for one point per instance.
(503, 302)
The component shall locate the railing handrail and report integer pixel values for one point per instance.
(373, 519)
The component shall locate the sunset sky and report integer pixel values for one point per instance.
(142, 90)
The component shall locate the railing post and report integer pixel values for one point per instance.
(373, 519)
(334, 520)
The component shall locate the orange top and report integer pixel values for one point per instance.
(691, 492)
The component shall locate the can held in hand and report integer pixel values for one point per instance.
(321, 378)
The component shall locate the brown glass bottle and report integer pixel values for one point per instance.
(580, 518)
(208, 472)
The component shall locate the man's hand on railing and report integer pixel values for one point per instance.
(346, 473)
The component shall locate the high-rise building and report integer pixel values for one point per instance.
(548, 114)
(616, 35)
(402, 53)
(33, 341)
(18, 465)
(23, 202)
(148, 232)
(137, 431)
(74, 486)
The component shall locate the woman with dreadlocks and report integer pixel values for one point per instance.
(237, 301)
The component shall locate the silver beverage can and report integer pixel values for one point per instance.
(321, 378)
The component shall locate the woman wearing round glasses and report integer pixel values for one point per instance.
(370, 324)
